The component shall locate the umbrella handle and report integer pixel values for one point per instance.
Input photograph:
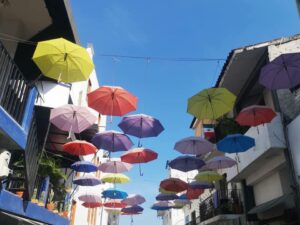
(140, 169)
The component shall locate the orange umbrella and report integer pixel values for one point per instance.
(112, 101)
(79, 148)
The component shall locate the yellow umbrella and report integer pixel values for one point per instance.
(115, 178)
(63, 60)
(208, 176)
(163, 191)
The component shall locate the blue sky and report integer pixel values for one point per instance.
(172, 28)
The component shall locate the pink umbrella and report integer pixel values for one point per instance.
(220, 162)
(90, 198)
(114, 167)
(134, 200)
(72, 118)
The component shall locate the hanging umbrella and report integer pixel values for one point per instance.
(90, 198)
(166, 197)
(164, 204)
(79, 148)
(114, 167)
(112, 141)
(235, 143)
(194, 146)
(163, 191)
(87, 180)
(193, 193)
(115, 178)
(282, 72)
(255, 115)
(132, 209)
(114, 204)
(181, 202)
(139, 155)
(208, 176)
(211, 103)
(134, 199)
(173, 184)
(161, 208)
(84, 166)
(114, 194)
(131, 214)
(92, 204)
(63, 60)
(186, 163)
(112, 101)
(220, 162)
(72, 118)
(201, 185)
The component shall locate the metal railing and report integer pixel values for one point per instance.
(221, 202)
(14, 88)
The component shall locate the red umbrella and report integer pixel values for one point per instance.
(92, 204)
(79, 148)
(139, 155)
(113, 101)
(115, 204)
(255, 115)
(193, 193)
(174, 185)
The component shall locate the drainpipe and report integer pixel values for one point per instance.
(288, 156)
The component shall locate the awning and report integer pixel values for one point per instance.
(271, 204)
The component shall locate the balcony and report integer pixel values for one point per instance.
(269, 146)
(221, 207)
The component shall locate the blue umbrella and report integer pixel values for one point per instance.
(183, 197)
(200, 185)
(114, 194)
(87, 180)
(235, 143)
(166, 197)
(84, 166)
(161, 208)
(186, 163)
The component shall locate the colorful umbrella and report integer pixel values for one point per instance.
(194, 146)
(90, 198)
(134, 199)
(163, 191)
(282, 72)
(112, 141)
(72, 118)
(161, 208)
(186, 163)
(211, 103)
(84, 166)
(173, 184)
(114, 204)
(235, 143)
(115, 178)
(87, 180)
(139, 155)
(220, 162)
(164, 203)
(201, 185)
(114, 194)
(79, 148)
(255, 115)
(192, 193)
(92, 204)
(208, 176)
(115, 167)
(112, 101)
(63, 60)
(166, 197)
(132, 209)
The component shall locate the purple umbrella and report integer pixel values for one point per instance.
(201, 185)
(186, 163)
(132, 209)
(115, 167)
(194, 146)
(112, 141)
(166, 197)
(281, 73)
(134, 200)
(84, 166)
(89, 198)
(163, 204)
(220, 162)
(72, 118)
(87, 180)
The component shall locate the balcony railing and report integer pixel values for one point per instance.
(14, 88)
(220, 203)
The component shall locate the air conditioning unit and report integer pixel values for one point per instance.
(4, 162)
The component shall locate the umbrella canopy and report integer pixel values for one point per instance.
(164, 203)
(133, 209)
(87, 180)
(255, 115)
(90, 198)
(63, 60)
(112, 141)
(201, 185)
(139, 155)
(163, 191)
(282, 72)
(141, 126)
(186, 163)
(79, 148)
(92, 204)
(211, 103)
(235, 143)
(114, 204)
(72, 118)
(134, 199)
(220, 162)
(114, 194)
(131, 214)
(194, 146)
(173, 184)
(114, 167)
(166, 197)
(112, 101)
(84, 166)
(115, 178)
(194, 193)
(208, 176)
(160, 208)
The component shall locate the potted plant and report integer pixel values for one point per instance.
(34, 196)
(51, 204)
(226, 126)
